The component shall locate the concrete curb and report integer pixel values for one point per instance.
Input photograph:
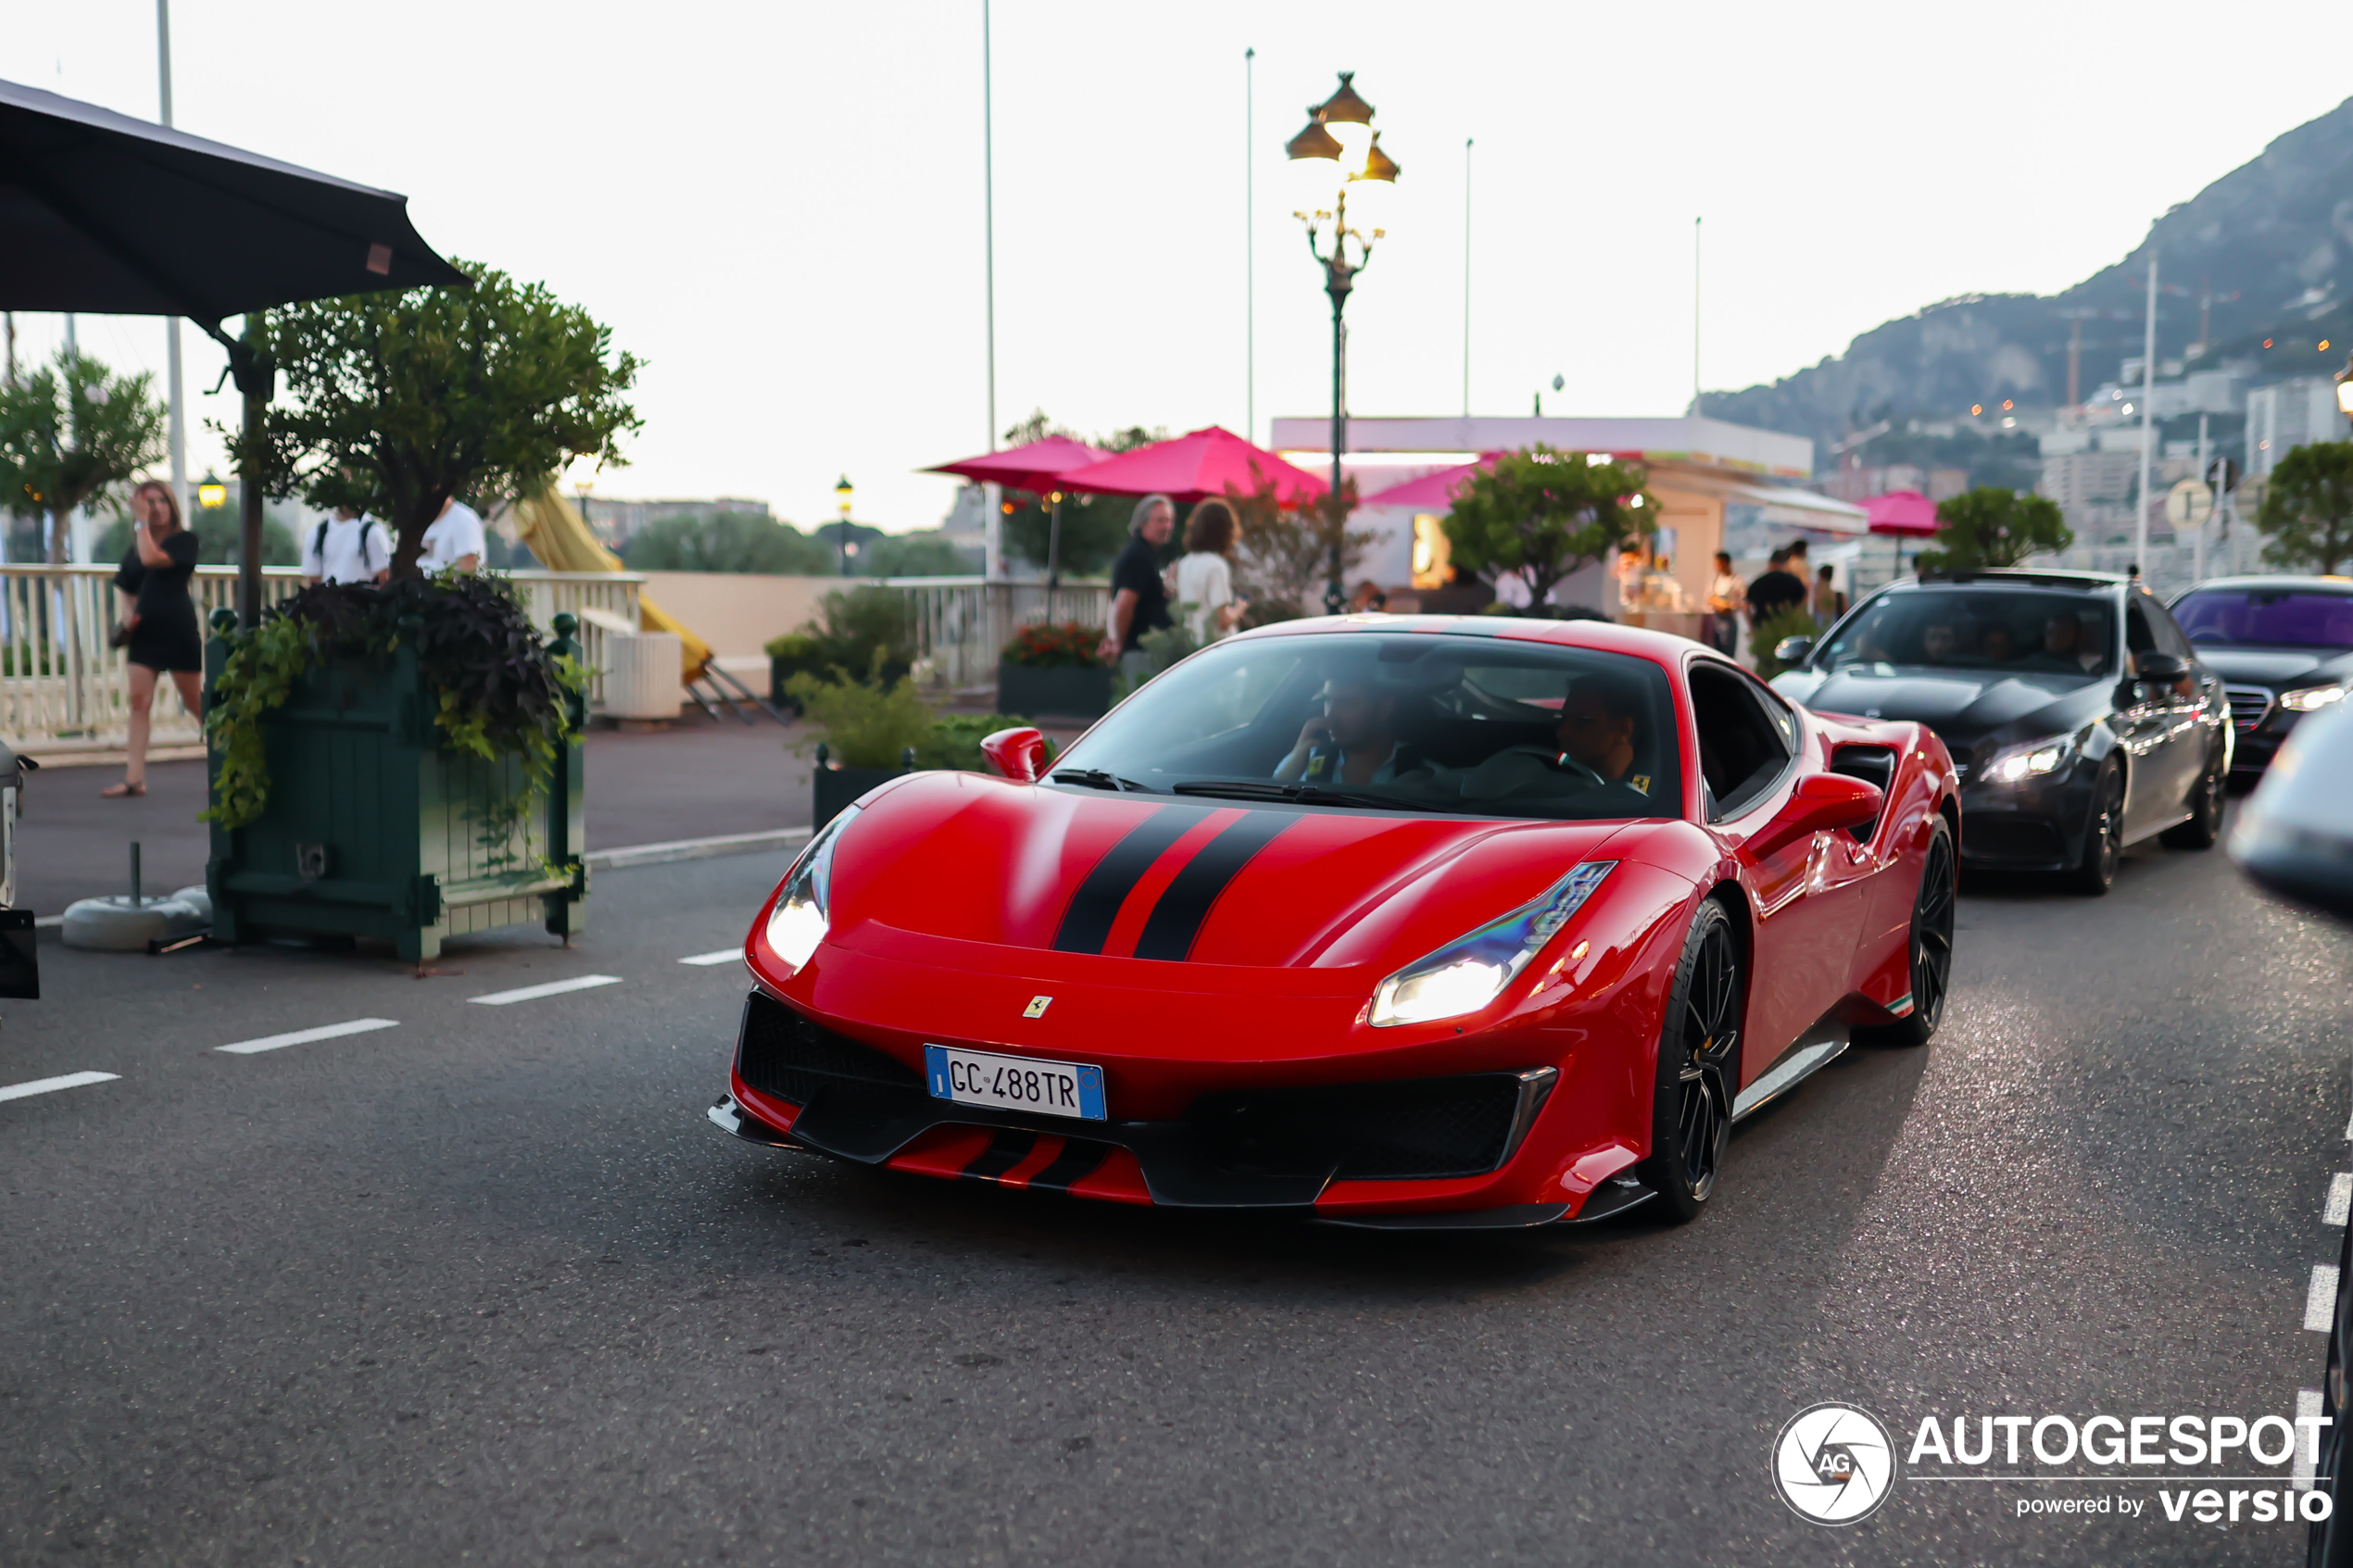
(696, 848)
(647, 854)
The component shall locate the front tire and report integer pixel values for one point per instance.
(1698, 1075)
(1932, 950)
(2103, 835)
(2204, 829)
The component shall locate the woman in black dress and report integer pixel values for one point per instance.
(159, 618)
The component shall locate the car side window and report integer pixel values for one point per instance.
(2170, 635)
(2138, 638)
(1742, 748)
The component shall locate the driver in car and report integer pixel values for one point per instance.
(1354, 741)
(2063, 645)
(1600, 739)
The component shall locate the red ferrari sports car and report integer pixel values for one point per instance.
(1390, 921)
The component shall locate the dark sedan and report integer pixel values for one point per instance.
(2283, 646)
(2079, 716)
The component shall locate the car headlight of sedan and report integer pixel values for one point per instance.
(1466, 975)
(2036, 759)
(2311, 698)
(796, 924)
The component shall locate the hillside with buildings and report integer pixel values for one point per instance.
(2256, 271)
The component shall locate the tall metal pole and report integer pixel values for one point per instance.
(2148, 387)
(1337, 283)
(1250, 255)
(989, 214)
(1696, 222)
(171, 324)
(1467, 273)
(2197, 569)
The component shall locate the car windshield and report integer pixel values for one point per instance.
(2279, 617)
(1480, 726)
(2009, 631)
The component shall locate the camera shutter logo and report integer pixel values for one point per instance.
(1833, 1464)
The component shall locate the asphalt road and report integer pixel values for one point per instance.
(485, 1287)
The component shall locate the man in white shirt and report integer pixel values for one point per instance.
(347, 547)
(454, 540)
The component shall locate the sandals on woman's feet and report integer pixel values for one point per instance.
(123, 791)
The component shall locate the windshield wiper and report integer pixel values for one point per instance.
(1095, 778)
(1302, 793)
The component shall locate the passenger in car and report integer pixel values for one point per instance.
(1354, 741)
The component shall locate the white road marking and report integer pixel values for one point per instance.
(2308, 1406)
(43, 1086)
(2319, 1299)
(304, 1036)
(726, 955)
(2340, 1199)
(552, 988)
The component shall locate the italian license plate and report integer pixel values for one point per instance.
(1014, 1083)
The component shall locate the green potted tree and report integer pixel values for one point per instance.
(1052, 670)
(1547, 515)
(399, 762)
(383, 760)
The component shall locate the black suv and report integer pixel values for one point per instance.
(2283, 646)
(2079, 715)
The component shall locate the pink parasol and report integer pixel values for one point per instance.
(1195, 466)
(1902, 512)
(1432, 490)
(1036, 466)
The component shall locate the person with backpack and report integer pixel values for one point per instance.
(347, 547)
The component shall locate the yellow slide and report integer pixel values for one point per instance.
(561, 540)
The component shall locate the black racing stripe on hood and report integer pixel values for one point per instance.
(1086, 924)
(1183, 909)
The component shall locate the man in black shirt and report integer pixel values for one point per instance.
(1139, 597)
(1775, 591)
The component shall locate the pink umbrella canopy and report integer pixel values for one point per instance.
(1036, 466)
(1432, 490)
(1902, 511)
(1195, 466)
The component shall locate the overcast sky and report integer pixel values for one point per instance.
(778, 205)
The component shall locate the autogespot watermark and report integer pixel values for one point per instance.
(1838, 1463)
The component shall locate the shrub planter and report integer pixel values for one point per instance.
(1056, 691)
(838, 787)
(375, 828)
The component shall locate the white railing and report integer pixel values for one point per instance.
(963, 623)
(62, 689)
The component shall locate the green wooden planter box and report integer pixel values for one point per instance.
(373, 828)
(837, 789)
(1057, 692)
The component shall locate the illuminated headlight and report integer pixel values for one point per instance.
(797, 922)
(1466, 975)
(2032, 760)
(2311, 698)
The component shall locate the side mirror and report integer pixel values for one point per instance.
(1821, 803)
(1018, 754)
(1794, 650)
(2160, 669)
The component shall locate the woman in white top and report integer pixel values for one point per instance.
(454, 539)
(1204, 577)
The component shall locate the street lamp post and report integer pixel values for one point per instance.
(1339, 152)
(845, 490)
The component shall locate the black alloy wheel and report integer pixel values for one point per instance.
(1931, 949)
(1699, 1057)
(2104, 834)
(2204, 829)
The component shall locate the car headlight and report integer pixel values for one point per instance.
(2311, 698)
(797, 922)
(2033, 761)
(1466, 975)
